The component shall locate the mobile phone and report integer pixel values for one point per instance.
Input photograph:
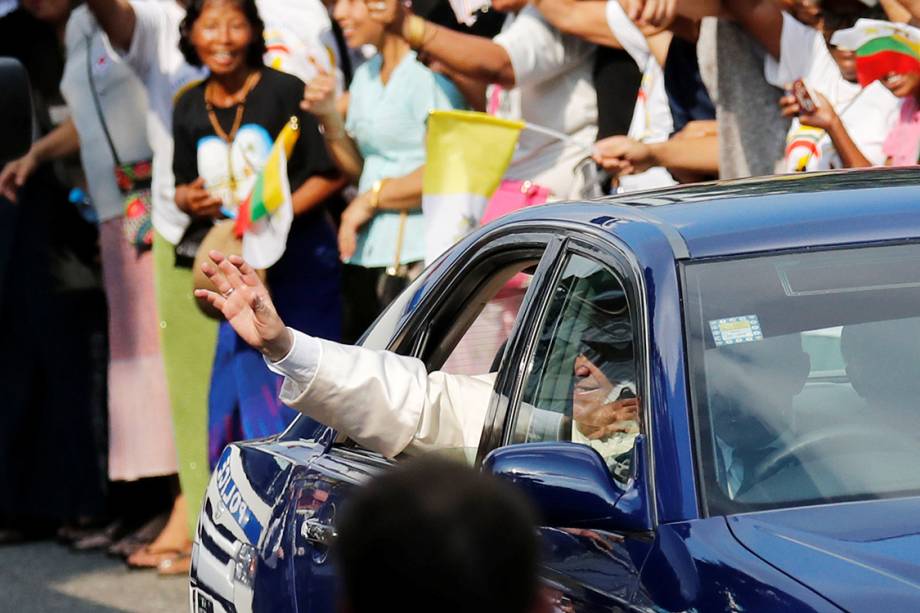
(806, 103)
(626, 391)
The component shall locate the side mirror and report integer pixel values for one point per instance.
(572, 487)
(15, 110)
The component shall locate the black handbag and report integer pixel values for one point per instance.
(191, 240)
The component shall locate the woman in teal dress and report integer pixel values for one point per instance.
(381, 143)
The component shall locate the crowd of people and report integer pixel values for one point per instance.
(156, 120)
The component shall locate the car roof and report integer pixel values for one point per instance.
(765, 213)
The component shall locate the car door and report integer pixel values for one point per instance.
(456, 320)
(580, 374)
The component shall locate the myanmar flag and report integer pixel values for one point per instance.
(468, 154)
(264, 218)
(881, 48)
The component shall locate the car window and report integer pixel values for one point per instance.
(480, 348)
(804, 376)
(378, 336)
(466, 335)
(581, 382)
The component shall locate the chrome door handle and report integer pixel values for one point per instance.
(315, 531)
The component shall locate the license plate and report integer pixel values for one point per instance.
(201, 602)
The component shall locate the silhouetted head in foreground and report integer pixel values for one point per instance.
(434, 535)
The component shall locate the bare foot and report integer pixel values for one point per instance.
(174, 536)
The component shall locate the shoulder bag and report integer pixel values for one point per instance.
(132, 178)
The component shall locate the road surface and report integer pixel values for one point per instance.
(48, 577)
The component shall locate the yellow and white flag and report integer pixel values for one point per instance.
(468, 154)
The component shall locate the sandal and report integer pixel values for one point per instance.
(100, 538)
(136, 540)
(145, 557)
(180, 564)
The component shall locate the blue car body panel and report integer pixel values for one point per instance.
(698, 566)
(860, 554)
(852, 556)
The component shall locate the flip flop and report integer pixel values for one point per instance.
(137, 539)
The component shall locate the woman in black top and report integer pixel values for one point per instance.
(223, 129)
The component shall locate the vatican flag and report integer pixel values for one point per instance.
(468, 154)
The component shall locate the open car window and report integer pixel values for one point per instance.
(805, 376)
(467, 340)
(378, 336)
(458, 323)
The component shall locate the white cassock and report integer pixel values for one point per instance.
(383, 401)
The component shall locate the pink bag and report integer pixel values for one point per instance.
(511, 196)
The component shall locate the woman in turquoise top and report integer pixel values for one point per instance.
(382, 144)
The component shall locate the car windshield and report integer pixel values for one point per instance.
(805, 377)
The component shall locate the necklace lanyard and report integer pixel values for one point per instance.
(237, 121)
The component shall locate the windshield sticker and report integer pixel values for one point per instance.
(734, 330)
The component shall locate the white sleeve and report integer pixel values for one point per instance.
(383, 401)
(538, 51)
(298, 367)
(798, 46)
(632, 39)
(454, 412)
(73, 30)
(149, 21)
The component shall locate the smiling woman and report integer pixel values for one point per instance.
(224, 128)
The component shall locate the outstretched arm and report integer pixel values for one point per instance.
(624, 156)
(117, 19)
(386, 402)
(60, 142)
(585, 19)
(763, 20)
(474, 56)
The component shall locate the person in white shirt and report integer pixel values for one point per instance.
(412, 411)
(546, 74)
(99, 88)
(797, 51)
(605, 22)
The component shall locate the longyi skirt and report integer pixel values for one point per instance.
(140, 423)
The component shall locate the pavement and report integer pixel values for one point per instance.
(47, 577)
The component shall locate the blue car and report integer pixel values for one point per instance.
(711, 394)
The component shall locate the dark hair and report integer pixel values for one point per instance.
(256, 47)
(842, 14)
(435, 535)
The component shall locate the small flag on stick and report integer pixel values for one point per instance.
(881, 48)
(264, 218)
